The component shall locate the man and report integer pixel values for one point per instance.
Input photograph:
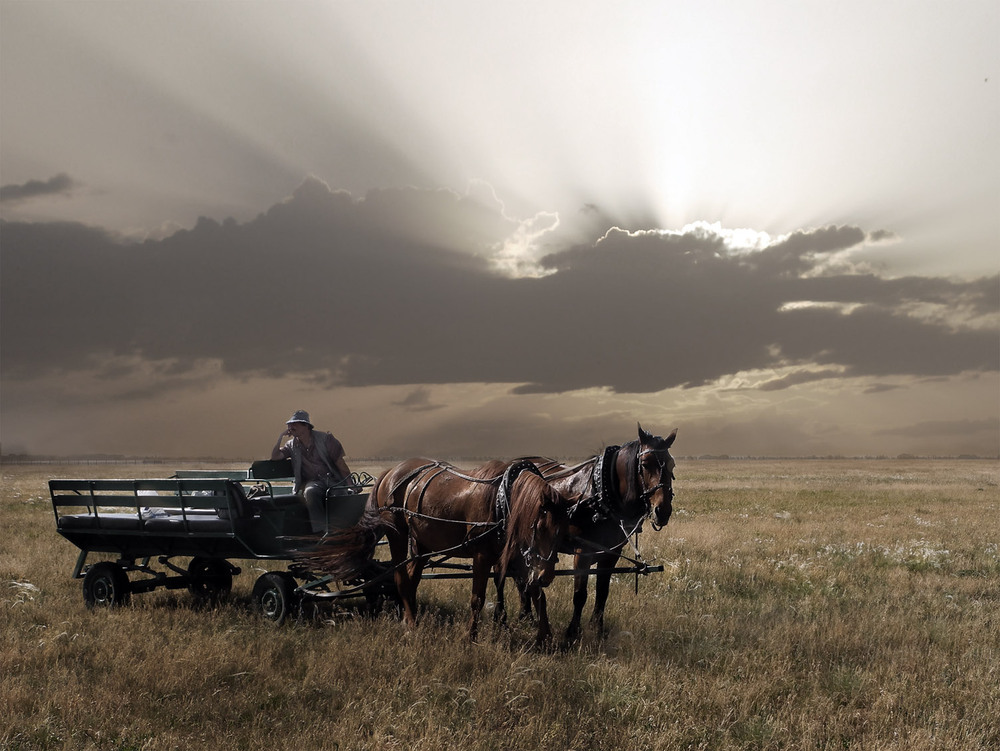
(317, 461)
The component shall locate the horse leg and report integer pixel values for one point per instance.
(410, 575)
(481, 566)
(544, 632)
(603, 584)
(406, 576)
(376, 589)
(519, 573)
(500, 611)
(525, 598)
(579, 597)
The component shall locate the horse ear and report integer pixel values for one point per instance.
(669, 440)
(644, 437)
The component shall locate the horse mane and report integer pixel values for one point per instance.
(491, 470)
(529, 495)
(632, 490)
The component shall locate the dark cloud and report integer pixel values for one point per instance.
(61, 183)
(397, 288)
(797, 253)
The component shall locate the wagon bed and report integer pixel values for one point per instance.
(208, 516)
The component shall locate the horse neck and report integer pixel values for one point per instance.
(625, 479)
(573, 483)
(620, 494)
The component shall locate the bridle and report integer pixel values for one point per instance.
(646, 493)
(532, 557)
(606, 491)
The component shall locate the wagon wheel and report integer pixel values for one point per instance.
(211, 579)
(106, 585)
(274, 596)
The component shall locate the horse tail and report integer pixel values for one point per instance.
(347, 553)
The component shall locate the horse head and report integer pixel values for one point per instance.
(550, 529)
(655, 475)
(538, 524)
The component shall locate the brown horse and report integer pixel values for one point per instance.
(430, 508)
(611, 495)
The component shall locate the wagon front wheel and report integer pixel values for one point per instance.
(211, 579)
(274, 596)
(106, 585)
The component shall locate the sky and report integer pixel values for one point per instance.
(469, 229)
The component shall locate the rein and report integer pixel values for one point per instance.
(648, 493)
(605, 490)
(443, 467)
(605, 495)
(531, 555)
(501, 504)
(595, 549)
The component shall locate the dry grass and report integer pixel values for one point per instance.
(805, 605)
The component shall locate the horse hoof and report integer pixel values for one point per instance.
(544, 643)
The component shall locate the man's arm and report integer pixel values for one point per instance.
(336, 449)
(276, 452)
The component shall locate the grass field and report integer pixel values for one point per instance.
(804, 605)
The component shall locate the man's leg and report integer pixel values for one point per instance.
(314, 495)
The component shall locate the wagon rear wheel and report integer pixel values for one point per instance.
(274, 596)
(106, 585)
(211, 579)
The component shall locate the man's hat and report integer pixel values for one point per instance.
(300, 415)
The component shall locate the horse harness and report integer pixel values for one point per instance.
(501, 503)
(598, 505)
(605, 495)
(605, 489)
